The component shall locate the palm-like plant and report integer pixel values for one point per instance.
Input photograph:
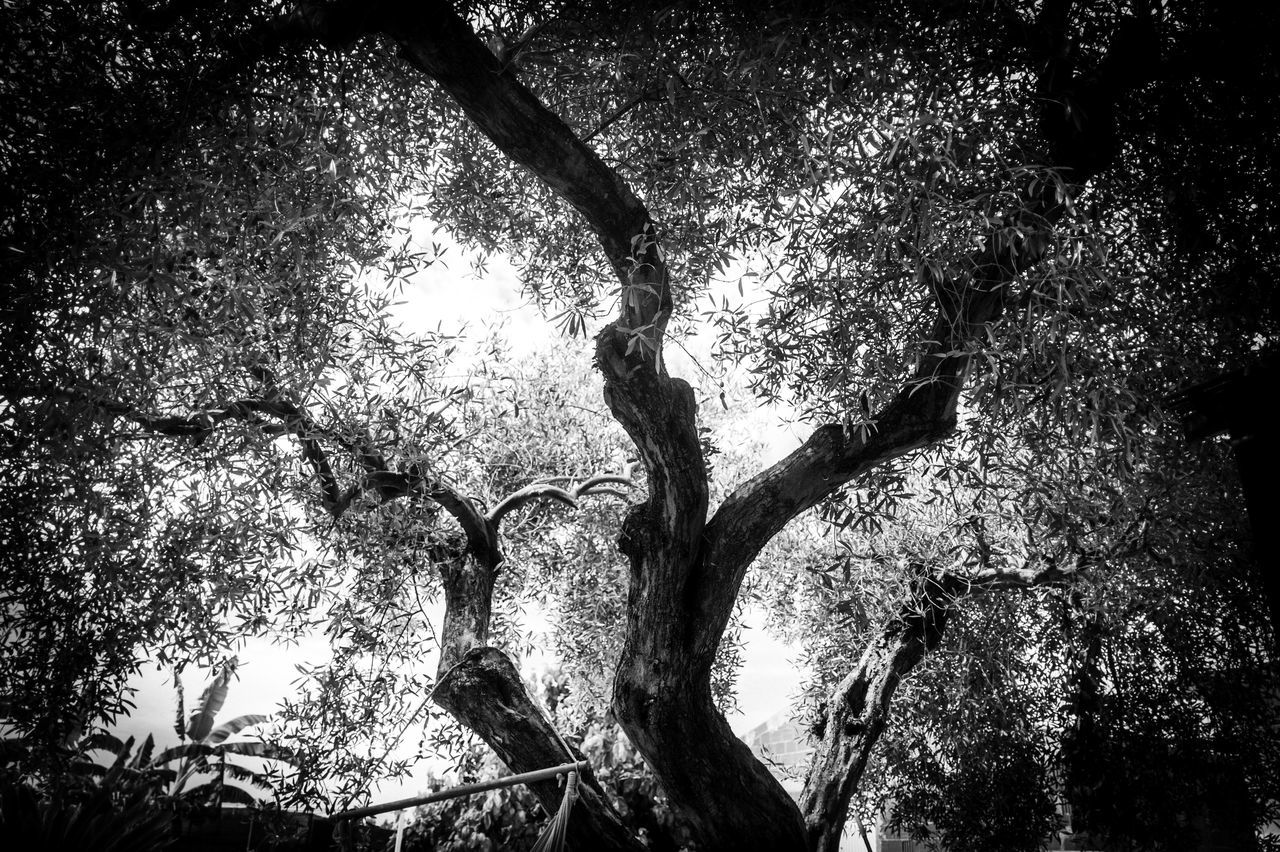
(115, 811)
(204, 748)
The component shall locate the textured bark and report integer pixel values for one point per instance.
(484, 691)
(855, 715)
(662, 690)
(468, 607)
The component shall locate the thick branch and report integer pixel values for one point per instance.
(469, 572)
(433, 38)
(437, 41)
(855, 714)
(924, 409)
(485, 692)
(923, 412)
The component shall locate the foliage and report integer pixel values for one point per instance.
(202, 740)
(983, 241)
(77, 802)
(95, 825)
(530, 421)
(120, 808)
(1135, 697)
(166, 219)
(988, 792)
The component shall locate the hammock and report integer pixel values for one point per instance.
(553, 835)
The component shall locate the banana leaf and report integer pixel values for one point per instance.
(233, 727)
(211, 701)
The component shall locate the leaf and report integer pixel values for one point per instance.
(143, 757)
(224, 792)
(233, 727)
(267, 751)
(188, 751)
(103, 741)
(211, 701)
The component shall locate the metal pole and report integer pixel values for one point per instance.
(464, 790)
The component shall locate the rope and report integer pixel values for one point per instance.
(553, 837)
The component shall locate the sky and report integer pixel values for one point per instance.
(452, 298)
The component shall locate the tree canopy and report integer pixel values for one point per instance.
(977, 246)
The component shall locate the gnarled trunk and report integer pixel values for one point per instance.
(854, 717)
(484, 691)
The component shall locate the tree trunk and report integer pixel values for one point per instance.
(855, 715)
(727, 796)
(662, 686)
(485, 692)
(481, 688)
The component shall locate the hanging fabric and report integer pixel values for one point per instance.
(553, 838)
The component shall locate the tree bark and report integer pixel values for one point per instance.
(662, 688)
(481, 687)
(854, 716)
(484, 691)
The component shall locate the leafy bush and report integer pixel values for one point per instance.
(119, 812)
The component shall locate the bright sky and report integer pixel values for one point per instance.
(450, 297)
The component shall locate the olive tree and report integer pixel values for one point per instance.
(1019, 223)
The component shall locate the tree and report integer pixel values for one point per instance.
(508, 818)
(165, 222)
(1136, 696)
(1032, 220)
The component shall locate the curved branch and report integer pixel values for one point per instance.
(612, 492)
(607, 479)
(482, 542)
(923, 411)
(526, 495)
(550, 490)
(436, 40)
